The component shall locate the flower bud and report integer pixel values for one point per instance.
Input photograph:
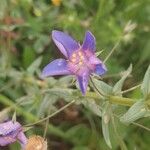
(36, 143)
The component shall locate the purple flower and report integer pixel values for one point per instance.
(11, 132)
(80, 60)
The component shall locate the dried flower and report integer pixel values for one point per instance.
(81, 59)
(36, 143)
(11, 132)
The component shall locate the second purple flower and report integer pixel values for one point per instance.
(80, 60)
(11, 132)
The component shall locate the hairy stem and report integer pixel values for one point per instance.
(121, 100)
(114, 99)
(131, 89)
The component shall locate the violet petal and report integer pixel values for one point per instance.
(22, 139)
(89, 42)
(100, 69)
(83, 82)
(7, 127)
(94, 60)
(56, 67)
(6, 140)
(64, 42)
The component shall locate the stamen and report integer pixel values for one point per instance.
(74, 55)
(80, 53)
(80, 63)
(73, 60)
(81, 57)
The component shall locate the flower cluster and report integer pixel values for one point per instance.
(80, 61)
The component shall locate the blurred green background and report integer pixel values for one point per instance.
(25, 35)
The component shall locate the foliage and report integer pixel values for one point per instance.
(112, 106)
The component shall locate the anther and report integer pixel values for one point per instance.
(73, 60)
(80, 53)
(81, 57)
(74, 55)
(80, 63)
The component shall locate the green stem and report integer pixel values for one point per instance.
(131, 89)
(121, 100)
(100, 11)
(114, 99)
(51, 115)
(141, 126)
(112, 51)
(32, 118)
(92, 95)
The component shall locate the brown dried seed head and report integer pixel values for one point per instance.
(36, 143)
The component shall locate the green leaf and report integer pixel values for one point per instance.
(66, 94)
(3, 8)
(105, 124)
(145, 87)
(14, 117)
(25, 129)
(65, 81)
(104, 88)
(147, 113)
(135, 112)
(40, 43)
(79, 134)
(46, 105)
(92, 106)
(28, 56)
(4, 114)
(35, 65)
(118, 86)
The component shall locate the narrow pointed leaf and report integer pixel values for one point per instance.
(99, 52)
(104, 88)
(14, 117)
(135, 112)
(105, 125)
(92, 106)
(145, 87)
(34, 66)
(118, 86)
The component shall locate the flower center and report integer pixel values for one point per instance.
(78, 58)
(79, 63)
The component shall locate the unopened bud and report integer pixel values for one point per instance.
(36, 143)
